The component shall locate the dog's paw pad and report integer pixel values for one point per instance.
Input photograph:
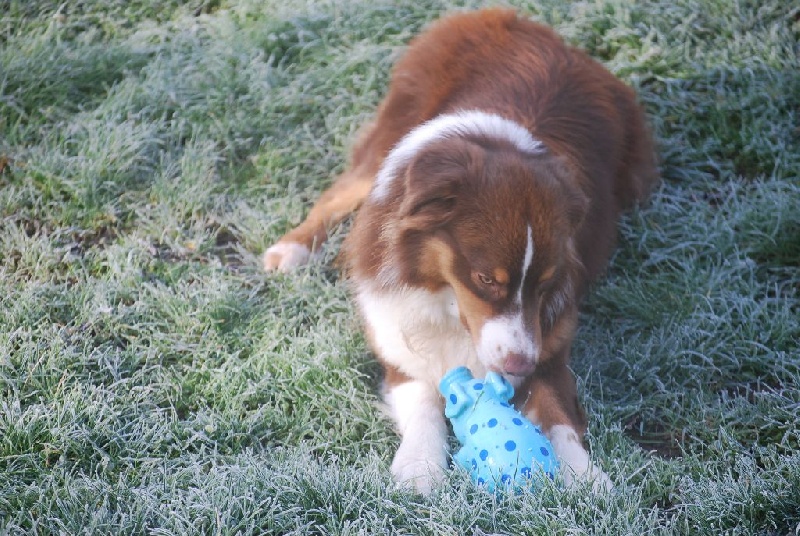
(285, 256)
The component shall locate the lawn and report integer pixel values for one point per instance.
(154, 381)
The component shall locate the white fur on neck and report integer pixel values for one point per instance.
(459, 124)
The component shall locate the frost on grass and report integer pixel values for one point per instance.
(150, 151)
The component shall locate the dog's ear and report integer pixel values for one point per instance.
(566, 176)
(432, 184)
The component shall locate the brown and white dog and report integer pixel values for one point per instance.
(491, 183)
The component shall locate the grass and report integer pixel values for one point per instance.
(153, 380)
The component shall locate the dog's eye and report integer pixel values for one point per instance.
(489, 287)
(486, 280)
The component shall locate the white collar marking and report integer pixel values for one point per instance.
(459, 124)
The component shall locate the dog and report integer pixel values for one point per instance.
(489, 187)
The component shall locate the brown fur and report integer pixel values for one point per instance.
(460, 210)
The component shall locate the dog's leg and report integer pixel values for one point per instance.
(575, 462)
(335, 204)
(343, 197)
(552, 404)
(421, 459)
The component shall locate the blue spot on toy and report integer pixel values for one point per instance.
(499, 445)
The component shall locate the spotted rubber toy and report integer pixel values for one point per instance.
(500, 447)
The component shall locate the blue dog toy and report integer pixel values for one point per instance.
(499, 445)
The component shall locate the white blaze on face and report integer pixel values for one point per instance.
(502, 336)
(526, 263)
(507, 334)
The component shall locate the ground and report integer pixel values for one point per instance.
(154, 380)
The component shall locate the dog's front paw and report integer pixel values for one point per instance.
(576, 466)
(601, 483)
(285, 256)
(419, 473)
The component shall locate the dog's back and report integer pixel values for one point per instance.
(494, 61)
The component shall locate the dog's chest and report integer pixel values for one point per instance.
(418, 331)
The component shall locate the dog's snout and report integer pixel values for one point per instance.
(518, 365)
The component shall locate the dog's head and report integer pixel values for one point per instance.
(497, 225)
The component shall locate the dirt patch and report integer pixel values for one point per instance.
(655, 438)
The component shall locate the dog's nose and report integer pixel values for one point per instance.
(518, 365)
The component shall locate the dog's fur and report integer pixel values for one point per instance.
(491, 182)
